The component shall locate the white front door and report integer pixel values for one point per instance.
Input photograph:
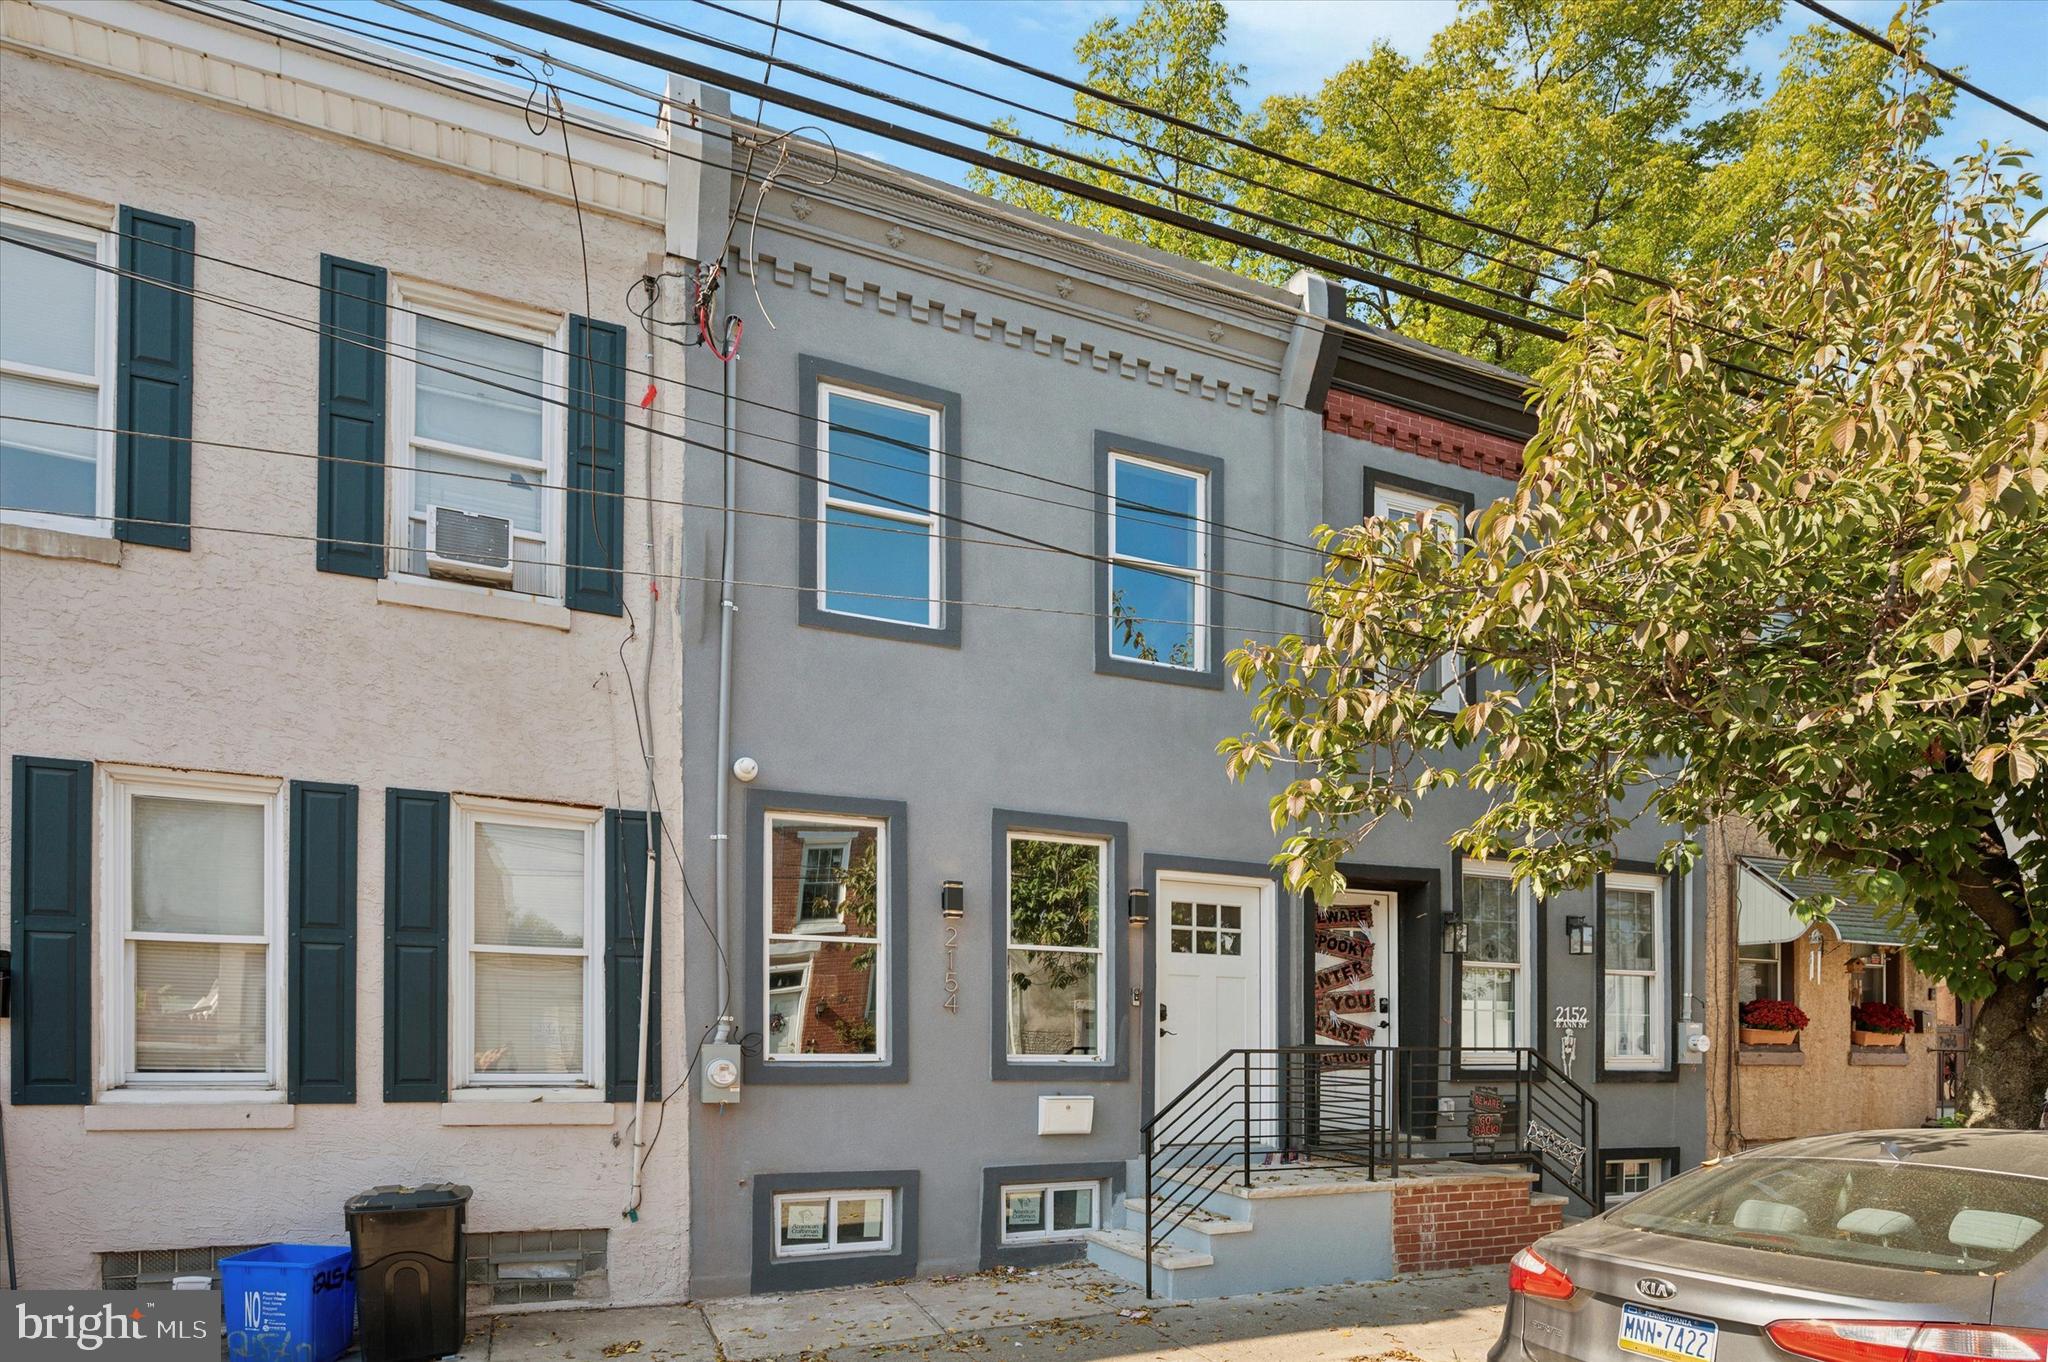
(1356, 983)
(1213, 991)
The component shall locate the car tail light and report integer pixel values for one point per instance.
(1859, 1340)
(1530, 1275)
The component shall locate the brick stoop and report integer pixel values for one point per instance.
(1476, 1221)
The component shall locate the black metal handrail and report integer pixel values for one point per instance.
(1367, 1107)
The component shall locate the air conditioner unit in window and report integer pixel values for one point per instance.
(470, 548)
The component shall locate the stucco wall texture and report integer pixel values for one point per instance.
(238, 656)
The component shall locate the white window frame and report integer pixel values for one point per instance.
(1392, 503)
(1654, 1166)
(1659, 976)
(935, 462)
(1776, 965)
(468, 811)
(829, 1246)
(1045, 1190)
(817, 932)
(1524, 991)
(1103, 1009)
(1198, 574)
(412, 298)
(106, 307)
(118, 1072)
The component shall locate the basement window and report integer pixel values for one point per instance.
(814, 1224)
(1040, 1213)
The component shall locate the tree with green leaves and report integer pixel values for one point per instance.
(1817, 601)
(1630, 128)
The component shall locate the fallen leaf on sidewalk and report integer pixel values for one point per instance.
(622, 1349)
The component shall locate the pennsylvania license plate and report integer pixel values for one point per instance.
(1672, 1338)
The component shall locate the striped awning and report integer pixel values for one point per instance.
(1768, 889)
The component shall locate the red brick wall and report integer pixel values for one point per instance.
(1367, 418)
(1466, 1222)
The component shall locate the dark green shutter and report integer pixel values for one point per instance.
(415, 946)
(153, 383)
(322, 989)
(625, 938)
(597, 466)
(51, 909)
(351, 514)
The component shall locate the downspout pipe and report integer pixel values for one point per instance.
(648, 923)
(724, 1029)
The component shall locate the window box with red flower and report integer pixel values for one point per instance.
(1879, 1024)
(1772, 1021)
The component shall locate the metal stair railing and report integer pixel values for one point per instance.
(1366, 1107)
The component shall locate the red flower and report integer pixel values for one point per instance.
(1772, 1014)
(1881, 1017)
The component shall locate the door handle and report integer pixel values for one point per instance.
(1164, 1032)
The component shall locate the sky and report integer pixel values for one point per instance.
(1284, 45)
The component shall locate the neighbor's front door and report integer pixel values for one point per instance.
(1354, 985)
(1212, 971)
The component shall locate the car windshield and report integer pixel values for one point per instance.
(1880, 1213)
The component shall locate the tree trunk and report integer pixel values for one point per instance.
(2006, 1080)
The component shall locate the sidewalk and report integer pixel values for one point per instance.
(1072, 1314)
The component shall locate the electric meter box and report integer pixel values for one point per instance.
(721, 1070)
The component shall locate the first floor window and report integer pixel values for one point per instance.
(528, 985)
(1636, 996)
(197, 872)
(1159, 563)
(879, 536)
(1493, 994)
(1626, 1177)
(809, 1224)
(1760, 972)
(478, 445)
(1058, 923)
(1879, 981)
(827, 879)
(1042, 1213)
(56, 366)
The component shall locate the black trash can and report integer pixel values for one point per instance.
(410, 1301)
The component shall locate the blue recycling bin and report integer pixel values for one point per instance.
(289, 1303)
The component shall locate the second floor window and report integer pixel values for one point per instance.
(1159, 564)
(56, 363)
(879, 535)
(475, 436)
(1441, 518)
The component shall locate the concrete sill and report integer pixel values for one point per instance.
(214, 1115)
(1884, 1055)
(513, 1111)
(41, 542)
(481, 602)
(1786, 1055)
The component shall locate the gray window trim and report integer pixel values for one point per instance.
(1462, 501)
(1668, 1072)
(753, 992)
(1114, 1019)
(853, 1269)
(995, 1253)
(1210, 675)
(1287, 942)
(811, 371)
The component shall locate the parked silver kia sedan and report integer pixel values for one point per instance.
(1885, 1246)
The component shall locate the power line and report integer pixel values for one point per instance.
(1872, 36)
(1223, 530)
(676, 577)
(470, 374)
(681, 503)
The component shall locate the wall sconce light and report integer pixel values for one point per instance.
(952, 901)
(1578, 936)
(1138, 907)
(1454, 935)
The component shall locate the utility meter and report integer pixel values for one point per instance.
(721, 1073)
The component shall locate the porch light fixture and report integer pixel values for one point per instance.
(952, 901)
(1454, 935)
(1578, 936)
(1138, 907)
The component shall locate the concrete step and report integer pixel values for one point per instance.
(1176, 1271)
(1198, 1231)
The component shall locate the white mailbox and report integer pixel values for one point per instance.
(1066, 1115)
